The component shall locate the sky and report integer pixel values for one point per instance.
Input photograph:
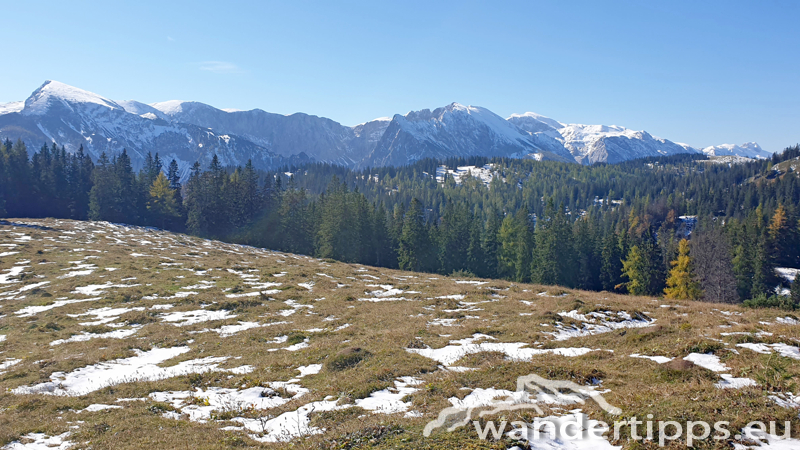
(699, 72)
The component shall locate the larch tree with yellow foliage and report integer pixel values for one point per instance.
(162, 205)
(681, 284)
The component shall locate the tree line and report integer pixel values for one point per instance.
(618, 227)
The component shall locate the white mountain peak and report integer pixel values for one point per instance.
(532, 115)
(748, 149)
(52, 92)
(170, 107)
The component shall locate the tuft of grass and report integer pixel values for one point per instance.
(346, 359)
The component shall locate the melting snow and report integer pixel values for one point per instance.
(99, 407)
(783, 349)
(513, 350)
(185, 318)
(142, 367)
(729, 382)
(115, 334)
(598, 323)
(390, 400)
(41, 441)
(94, 289)
(29, 311)
(658, 359)
(707, 361)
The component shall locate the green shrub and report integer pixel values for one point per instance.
(772, 301)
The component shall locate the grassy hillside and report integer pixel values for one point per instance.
(129, 337)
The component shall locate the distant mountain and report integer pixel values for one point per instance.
(589, 144)
(320, 138)
(192, 131)
(748, 150)
(455, 130)
(73, 117)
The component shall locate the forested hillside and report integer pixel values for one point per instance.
(602, 227)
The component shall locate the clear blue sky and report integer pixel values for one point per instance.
(700, 72)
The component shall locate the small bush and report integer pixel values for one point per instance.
(98, 329)
(235, 305)
(347, 358)
(52, 326)
(703, 347)
(295, 338)
(462, 274)
(772, 301)
(141, 318)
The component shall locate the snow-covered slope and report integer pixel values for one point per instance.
(454, 130)
(748, 150)
(11, 107)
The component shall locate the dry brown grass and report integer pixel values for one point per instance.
(509, 312)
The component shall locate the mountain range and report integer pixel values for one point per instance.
(191, 131)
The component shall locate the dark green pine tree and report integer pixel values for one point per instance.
(611, 262)
(20, 199)
(102, 200)
(742, 257)
(217, 207)
(194, 202)
(653, 275)
(129, 197)
(454, 238)
(476, 258)
(554, 260)
(586, 255)
(490, 245)
(250, 192)
(335, 231)
(384, 253)
(173, 175)
(295, 226)
(3, 178)
(414, 242)
(795, 292)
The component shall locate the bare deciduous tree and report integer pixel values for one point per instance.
(713, 267)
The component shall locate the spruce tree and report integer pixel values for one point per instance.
(413, 239)
(636, 269)
(491, 245)
(611, 262)
(102, 202)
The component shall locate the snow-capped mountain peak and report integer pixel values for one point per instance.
(53, 93)
(170, 107)
(11, 107)
(528, 116)
(590, 144)
(428, 123)
(190, 131)
(452, 131)
(748, 149)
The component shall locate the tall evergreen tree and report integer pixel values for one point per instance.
(413, 239)
(611, 262)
